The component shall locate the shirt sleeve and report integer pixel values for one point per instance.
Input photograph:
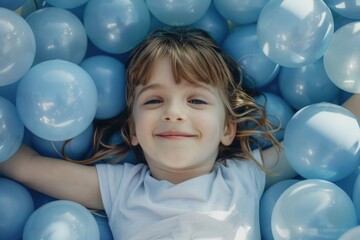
(259, 173)
(250, 174)
(116, 182)
(110, 178)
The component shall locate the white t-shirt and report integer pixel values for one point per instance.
(223, 204)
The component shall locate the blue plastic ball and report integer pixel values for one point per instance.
(178, 12)
(342, 58)
(272, 87)
(340, 21)
(16, 205)
(40, 198)
(240, 12)
(267, 203)
(108, 74)
(347, 183)
(103, 224)
(76, 149)
(214, 24)
(62, 37)
(9, 91)
(278, 113)
(356, 196)
(11, 130)
(345, 8)
(68, 4)
(11, 4)
(116, 26)
(323, 141)
(17, 47)
(242, 45)
(351, 234)
(56, 100)
(295, 33)
(312, 209)
(307, 85)
(61, 219)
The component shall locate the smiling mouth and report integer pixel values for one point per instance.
(175, 135)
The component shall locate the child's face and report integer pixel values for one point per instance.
(179, 126)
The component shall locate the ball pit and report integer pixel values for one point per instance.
(288, 45)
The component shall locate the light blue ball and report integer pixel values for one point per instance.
(9, 91)
(11, 130)
(278, 113)
(342, 58)
(345, 8)
(242, 45)
(103, 224)
(109, 76)
(178, 12)
(351, 234)
(61, 219)
(267, 203)
(11, 4)
(17, 47)
(312, 209)
(116, 26)
(59, 34)
(56, 100)
(76, 149)
(295, 33)
(323, 141)
(16, 205)
(307, 85)
(347, 183)
(68, 4)
(356, 197)
(214, 24)
(240, 12)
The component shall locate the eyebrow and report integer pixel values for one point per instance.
(159, 86)
(148, 87)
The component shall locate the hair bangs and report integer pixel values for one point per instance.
(196, 65)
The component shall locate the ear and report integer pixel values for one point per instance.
(133, 139)
(229, 133)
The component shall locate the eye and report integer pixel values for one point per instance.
(197, 101)
(153, 101)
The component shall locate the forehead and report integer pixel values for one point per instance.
(162, 74)
(161, 68)
(166, 70)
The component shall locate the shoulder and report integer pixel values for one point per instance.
(244, 164)
(246, 173)
(121, 167)
(115, 175)
(116, 179)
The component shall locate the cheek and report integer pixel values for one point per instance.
(143, 127)
(211, 127)
(136, 128)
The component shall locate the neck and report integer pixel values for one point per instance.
(176, 176)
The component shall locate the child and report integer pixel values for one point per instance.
(191, 123)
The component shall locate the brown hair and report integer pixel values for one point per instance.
(195, 57)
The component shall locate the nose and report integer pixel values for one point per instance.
(174, 112)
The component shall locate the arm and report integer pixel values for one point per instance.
(353, 105)
(57, 178)
(277, 163)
